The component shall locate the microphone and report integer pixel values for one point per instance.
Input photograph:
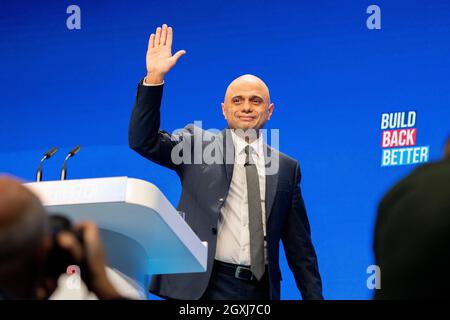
(72, 152)
(46, 156)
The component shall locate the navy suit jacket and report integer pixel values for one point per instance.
(204, 191)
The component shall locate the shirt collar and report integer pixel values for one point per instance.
(240, 144)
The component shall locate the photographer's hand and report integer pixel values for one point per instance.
(95, 258)
(91, 255)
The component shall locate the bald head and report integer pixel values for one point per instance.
(247, 80)
(23, 226)
(247, 103)
(16, 201)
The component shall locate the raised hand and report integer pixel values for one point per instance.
(159, 55)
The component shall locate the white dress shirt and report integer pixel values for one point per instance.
(233, 236)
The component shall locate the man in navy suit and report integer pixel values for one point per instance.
(242, 197)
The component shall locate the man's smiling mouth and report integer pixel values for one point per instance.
(247, 118)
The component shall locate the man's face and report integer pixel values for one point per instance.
(247, 103)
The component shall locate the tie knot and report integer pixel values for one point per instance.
(248, 155)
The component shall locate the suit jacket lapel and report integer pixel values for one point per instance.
(271, 180)
(228, 154)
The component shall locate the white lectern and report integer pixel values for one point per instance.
(142, 232)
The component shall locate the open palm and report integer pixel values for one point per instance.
(159, 53)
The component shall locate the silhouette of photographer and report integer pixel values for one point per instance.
(412, 234)
(33, 255)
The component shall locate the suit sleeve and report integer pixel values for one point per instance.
(300, 253)
(144, 134)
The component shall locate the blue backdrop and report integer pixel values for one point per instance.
(330, 79)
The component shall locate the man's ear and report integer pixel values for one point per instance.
(270, 111)
(223, 111)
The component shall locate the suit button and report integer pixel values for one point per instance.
(214, 230)
(221, 200)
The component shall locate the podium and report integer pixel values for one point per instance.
(143, 234)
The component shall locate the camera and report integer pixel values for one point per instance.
(59, 259)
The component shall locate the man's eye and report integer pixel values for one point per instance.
(256, 101)
(236, 100)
